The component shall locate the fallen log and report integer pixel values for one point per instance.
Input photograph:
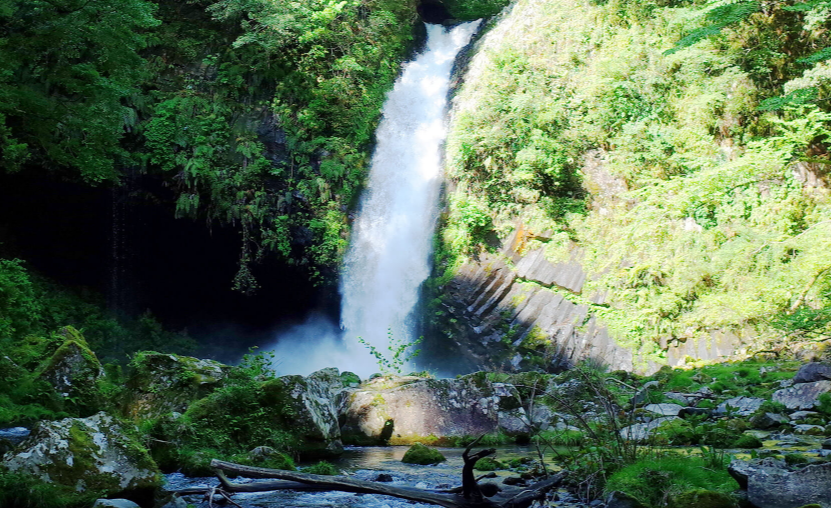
(512, 499)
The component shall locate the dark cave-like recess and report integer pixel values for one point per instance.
(126, 244)
(434, 12)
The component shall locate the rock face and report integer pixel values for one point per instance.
(769, 486)
(407, 410)
(166, 383)
(487, 296)
(90, 454)
(73, 370)
(802, 395)
(313, 402)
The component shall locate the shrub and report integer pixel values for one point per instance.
(747, 441)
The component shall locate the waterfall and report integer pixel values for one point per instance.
(389, 254)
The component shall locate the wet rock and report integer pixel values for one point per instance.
(664, 409)
(423, 455)
(513, 480)
(622, 500)
(383, 477)
(739, 406)
(768, 420)
(92, 454)
(167, 383)
(73, 370)
(406, 410)
(826, 445)
(802, 395)
(643, 431)
(814, 371)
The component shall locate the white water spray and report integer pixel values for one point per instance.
(389, 254)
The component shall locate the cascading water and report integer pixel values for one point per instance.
(389, 255)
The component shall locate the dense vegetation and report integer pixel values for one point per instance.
(680, 145)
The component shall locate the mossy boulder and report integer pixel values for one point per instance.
(423, 455)
(95, 455)
(73, 370)
(703, 499)
(403, 410)
(488, 464)
(165, 383)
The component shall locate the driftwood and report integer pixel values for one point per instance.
(472, 494)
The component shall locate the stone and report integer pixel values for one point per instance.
(811, 430)
(802, 395)
(826, 445)
(814, 371)
(168, 383)
(664, 409)
(114, 503)
(423, 455)
(739, 406)
(618, 499)
(770, 487)
(406, 410)
(93, 454)
(768, 420)
(678, 398)
(640, 432)
(702, 499)
(73, 370)
(383, 477)
(802, 415)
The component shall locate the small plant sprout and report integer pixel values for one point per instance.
(399, 353)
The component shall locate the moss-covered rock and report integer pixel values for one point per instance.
(703, 499)
(165, 383)
(95, 454)
(73, 370)
(748, 441)
(420, 454)
(488, 464)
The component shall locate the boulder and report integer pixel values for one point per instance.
(73, 370)
(802, 395)
(642, 394)
(768, 420)
(811, 430)
(312, 403)
(813, 371)
(168, 383)
(423, 455)
(664, 409)
(94, 454)
(769, 486)
(406, 410)
(640, 432)
(739, 406)
(14, 435)
(695, 411)
(826, 445)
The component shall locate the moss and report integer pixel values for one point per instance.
(19, 490)
(488, 464)
(795, 459)
(350, 379)
(703, 499)
(420, 454)
(322, 468)
(748, 441)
